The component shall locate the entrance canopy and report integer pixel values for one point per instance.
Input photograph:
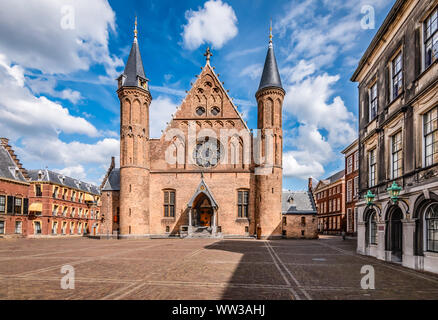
(203, 188)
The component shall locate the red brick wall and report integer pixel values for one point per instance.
(19, 190)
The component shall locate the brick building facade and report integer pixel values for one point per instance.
(14, 190)
(330, 200)
(351, 154)
(44, 203)
(60, 205)
(211, 187)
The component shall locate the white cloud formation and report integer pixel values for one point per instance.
(31, 35)
(78, 172)
(215, 23)
(310, 102)
(48, 85)
(320, 30)
(253, 71)
(160, 112)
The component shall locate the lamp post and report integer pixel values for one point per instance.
(394, 192)
(369, 197)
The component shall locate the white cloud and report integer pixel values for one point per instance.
(161, 111)
(319, 31)
(31, 35)
(310, 102)
(48, 85)
(215, 23)
(253, 71)
(78, 172)
(24, 114)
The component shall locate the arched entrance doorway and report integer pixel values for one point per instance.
(394, 235)
(202, 211)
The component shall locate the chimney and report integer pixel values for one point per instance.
(113, 162)
(310, 184)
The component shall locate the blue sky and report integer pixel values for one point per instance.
(59, 105)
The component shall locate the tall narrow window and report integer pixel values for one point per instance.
(356, 187)
(373, 101)
(372, 167)
(431, 38)
(430, 137)
(397, 75)
(349, 190)
(350, 164)
(38, 191)
(397, 165)
(18, 227)
(169, 204)
(242, 203)
(18, 205)
(2, 204)
(37, 226)
(356, 160)
(432, 228)
(2, 227)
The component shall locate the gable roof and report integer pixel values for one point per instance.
(298, 202)
(206, 70)
(9, 168)
(60, 179)
(332, 179)
(203, 188)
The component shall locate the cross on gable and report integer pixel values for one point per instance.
(208, 54)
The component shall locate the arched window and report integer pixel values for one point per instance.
(431, 224)
(373, 228)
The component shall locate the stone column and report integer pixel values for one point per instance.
(408, 259)
(381, 255)
(189, 229)
(214, 220)
(361, 242)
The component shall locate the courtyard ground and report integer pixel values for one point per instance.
(173, 269)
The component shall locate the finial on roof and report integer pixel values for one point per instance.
(208, 55)
(270, 33)
(135, 30)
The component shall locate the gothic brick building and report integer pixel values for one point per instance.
(193, 180)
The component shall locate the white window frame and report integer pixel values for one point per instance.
(18, 223)
(373, 88)
(399, 153)
(370, 165)
(391, 75)
(424, 38)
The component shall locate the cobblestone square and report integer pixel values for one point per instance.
(327, 268)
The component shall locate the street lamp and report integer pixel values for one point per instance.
(394, 192)
(369, 197)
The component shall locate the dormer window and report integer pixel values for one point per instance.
(290, 200)
(40, 175)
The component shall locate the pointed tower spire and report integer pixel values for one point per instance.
(270, 75)
(134, 75)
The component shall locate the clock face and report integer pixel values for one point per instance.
(207, 153)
